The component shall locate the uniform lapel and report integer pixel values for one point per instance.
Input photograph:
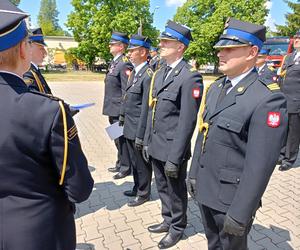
(174, 73)
(130, 80)
(239, 89)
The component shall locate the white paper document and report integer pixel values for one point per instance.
(114, 131)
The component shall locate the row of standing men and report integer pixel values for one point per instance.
(44, 171)
(242, 128)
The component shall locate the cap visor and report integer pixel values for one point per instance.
(132, 46)
(226, 43)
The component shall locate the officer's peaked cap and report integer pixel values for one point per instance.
(37, 36)
(153, 48)
(176, 31)
(139, 41)
(117, 37)
(238, 33)
(12, 26)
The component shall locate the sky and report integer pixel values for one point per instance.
(163, 10)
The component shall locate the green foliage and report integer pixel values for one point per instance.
(92, 22)
(15, 2)
(292, 20)
(206, 18)
(48, 18)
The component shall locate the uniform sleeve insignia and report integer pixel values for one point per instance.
(273, 86)
(72, 132)
(128, 72)
(273, 119)
(196, 93)
(125, 59)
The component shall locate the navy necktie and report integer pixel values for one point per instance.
(167, 70)
(227, 85)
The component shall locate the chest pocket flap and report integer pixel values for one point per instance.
(229, 124)
(172, 96)
(135, 89)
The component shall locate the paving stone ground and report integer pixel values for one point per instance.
(104, 221)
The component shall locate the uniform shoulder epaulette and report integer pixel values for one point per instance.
(149, 72)
(220, 77)
(273, 86)
(125, 59)
(271, 68)
(46, 95)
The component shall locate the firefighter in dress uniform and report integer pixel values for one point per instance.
(242, 127)
(43, 169)
(115, 84)
(174, 99)
(135, 111)
(290, 86)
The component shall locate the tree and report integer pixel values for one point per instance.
(92, 22)
(292, 20)
(15, 2)
(206, 18)
(48, 18)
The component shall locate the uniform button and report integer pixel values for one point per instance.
(210, 122)
(228, 125)
(204, 151)
(238, 180)
(154, 131)
(201, 166)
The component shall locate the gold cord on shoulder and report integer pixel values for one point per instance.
(64, 165)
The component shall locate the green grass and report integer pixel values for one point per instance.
(73, 76)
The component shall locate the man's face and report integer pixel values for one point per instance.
(232, 61)
(297, 42)
(38, 53)
(135, 55)
(169, 47)
(115, 48)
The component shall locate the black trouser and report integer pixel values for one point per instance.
(290, 152)
(142, 171)
(213, 222)
(173, 195)
(123, 155)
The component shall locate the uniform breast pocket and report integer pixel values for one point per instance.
(169, 101)
(228, 131)
(229, 180)
(136, 89)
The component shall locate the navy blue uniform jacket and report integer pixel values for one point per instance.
(35, 211)
(245, 135)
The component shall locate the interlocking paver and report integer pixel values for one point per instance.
(106, 222)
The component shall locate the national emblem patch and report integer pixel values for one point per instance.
(273, 119)
(196, 93)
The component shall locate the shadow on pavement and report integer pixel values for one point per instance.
(108, 195)
(85, 246)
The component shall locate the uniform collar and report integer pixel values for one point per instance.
(174, 64)
(34, 65)
(10, 73)
(237, 79)
(117, 57)
(139, 67)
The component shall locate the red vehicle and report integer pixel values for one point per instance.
(279, 47)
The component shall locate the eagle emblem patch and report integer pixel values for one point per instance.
(273, 119)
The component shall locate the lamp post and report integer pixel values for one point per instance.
(140, 29)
